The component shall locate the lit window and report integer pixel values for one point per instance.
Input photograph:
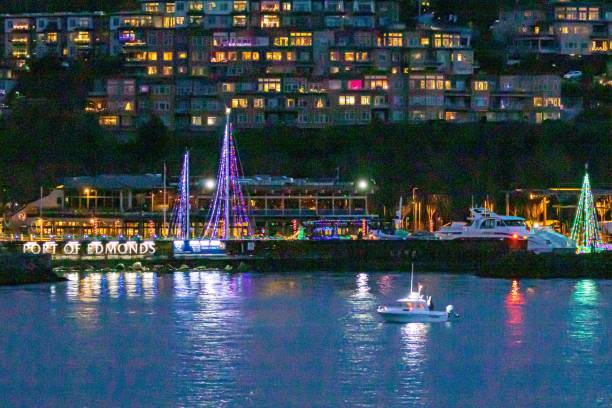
(450, 116)
(240, 5)
(365, 99)
(537, 101)
(286, 6)
(228, 87)
(269, 84)
(151, 7)
(182, 55)
(274, 56)
(334, 56)
(281, 41)
(424, 41)
(167, 56)
(393, 39)
(196, 121)
(481, 85)
(346, 100)
(51, 37)
(258, 103)
(319, 104)
(152, 56)
(109, 120)
(152, 70)
(301, 39)
(268, 21)
(290, 56)
(239, 103)
(81, 37)
(211, 120)
(167, 71)
(239, 21)
(128, 107)
(349, 56)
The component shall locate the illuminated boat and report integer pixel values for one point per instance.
(485, 224)
(414, 308)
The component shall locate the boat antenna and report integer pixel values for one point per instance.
(412, 269)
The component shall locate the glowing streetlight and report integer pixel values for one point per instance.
(209, 184)
(362, 184)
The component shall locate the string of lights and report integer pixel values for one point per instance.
(585, 230)
(179, 227)
(228, 216)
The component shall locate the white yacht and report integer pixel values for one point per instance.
(414, 308)
(485, 224)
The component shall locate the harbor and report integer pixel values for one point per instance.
(287, 224)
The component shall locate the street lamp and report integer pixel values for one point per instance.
(362, 184)
(209, 184)
(87, 198)
(414, 211)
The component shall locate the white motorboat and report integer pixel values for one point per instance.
(414, 308)
(485, 224)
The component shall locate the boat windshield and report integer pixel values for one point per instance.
(514, 223)
(415, 306)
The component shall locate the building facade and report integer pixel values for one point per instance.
(134, 205)
(302, 63)
(569, 28)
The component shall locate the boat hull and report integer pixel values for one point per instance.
(402, 316)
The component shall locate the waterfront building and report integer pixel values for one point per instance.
(132, 205)
(568, 28)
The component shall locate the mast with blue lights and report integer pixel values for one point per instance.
(180, 226)
(228, 215)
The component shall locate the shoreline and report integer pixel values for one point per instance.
(487, 259)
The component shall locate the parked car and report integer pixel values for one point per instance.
(573, 75)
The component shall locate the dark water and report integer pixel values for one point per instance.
(219, 339)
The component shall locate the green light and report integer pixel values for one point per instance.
(585, 231)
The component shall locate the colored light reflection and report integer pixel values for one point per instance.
(585, 321)
(514, 304)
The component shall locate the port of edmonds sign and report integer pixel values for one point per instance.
(91, 248)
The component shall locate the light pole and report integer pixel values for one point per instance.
(414, 209)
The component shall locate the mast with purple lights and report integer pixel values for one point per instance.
(180, 225)
(228, 215)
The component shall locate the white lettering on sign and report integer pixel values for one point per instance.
(93, 248)
(31, 248)
(72, 248)
(49, 247)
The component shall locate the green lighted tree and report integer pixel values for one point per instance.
(585, 231)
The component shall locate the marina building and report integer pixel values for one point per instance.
(137, 205)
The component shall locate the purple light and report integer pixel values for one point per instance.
(228, 207)
(179, 227)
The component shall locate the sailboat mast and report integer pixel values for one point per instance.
(187, 223)
(226, 164)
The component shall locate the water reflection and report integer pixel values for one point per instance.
(359, 370)
(584, 323)
(514, 303)
(414, 358)
(209, 329)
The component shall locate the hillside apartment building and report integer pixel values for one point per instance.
(302, 63)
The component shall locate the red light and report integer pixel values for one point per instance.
(514, 236)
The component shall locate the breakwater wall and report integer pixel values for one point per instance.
(19, 269)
